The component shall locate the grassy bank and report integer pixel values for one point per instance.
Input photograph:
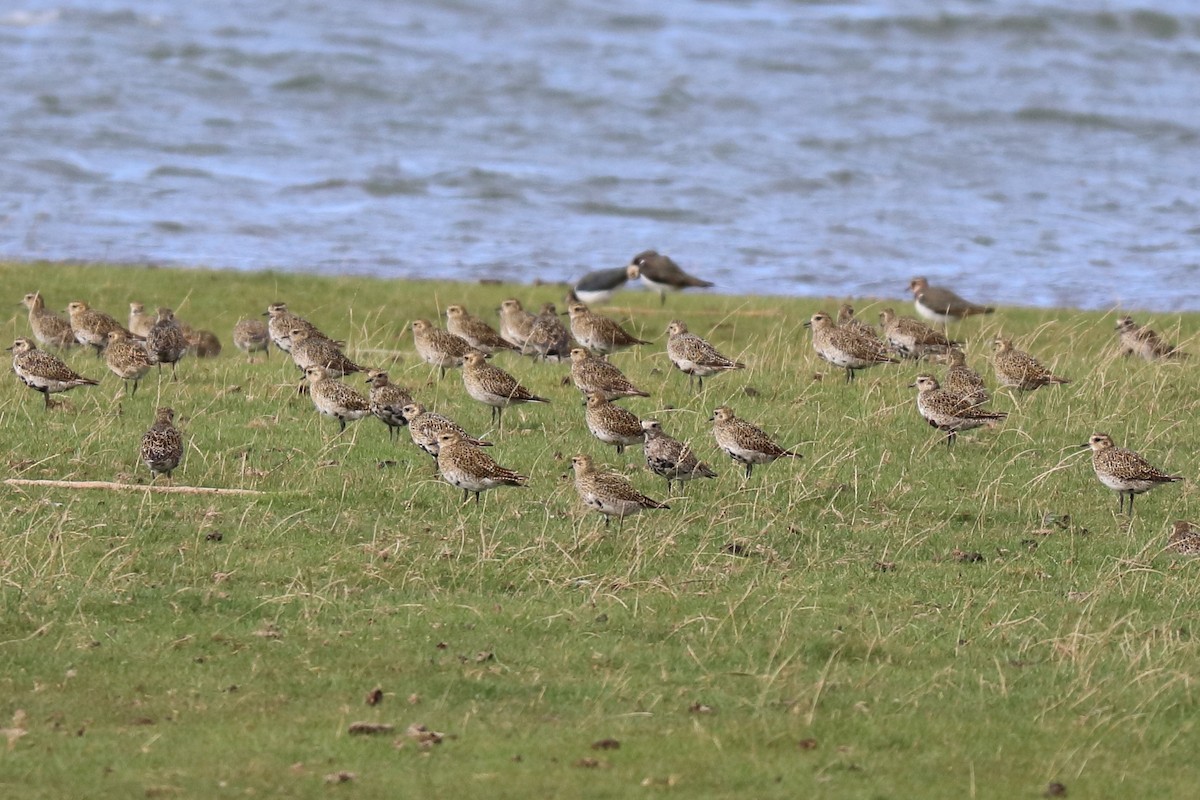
(809, 632)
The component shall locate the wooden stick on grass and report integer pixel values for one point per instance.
(128, 487)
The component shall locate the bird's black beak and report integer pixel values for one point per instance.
(912, 385)
(808, 324)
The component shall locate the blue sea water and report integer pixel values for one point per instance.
(1037, 153)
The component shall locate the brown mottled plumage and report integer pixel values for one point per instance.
(846, 348)
(599, 333)
(335, 399)
(847, 320)
(43, 372)
(609, 493)
(314, 350)
(140, 322)
(92, 327)
(548, 337)
(251, 336)
(1144, 342)
(388, 401)
(912, 338)
(493, 386)
(165, 343)
(1184, 539)
(1124, 471)
(424, 427)
(474, 331)
(592, 374)
(515, 322)
(612, 424)
(162, 445)
(950, 412)
(464, 465)
(1019, 369)
(671, 458)
(48, 328)
(962, 380)
(439, 348)
(281, 323)
(694, 356)
(126, 357)
(743, 442)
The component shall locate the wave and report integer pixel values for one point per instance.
(1138, 22)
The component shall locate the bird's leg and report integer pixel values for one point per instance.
(849, 375)
(342, 423)
(749, 469)
(620, 448)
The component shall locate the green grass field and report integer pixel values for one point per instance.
(808, 633)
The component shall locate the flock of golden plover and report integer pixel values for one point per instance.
(954, 404)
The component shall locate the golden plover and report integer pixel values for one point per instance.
(593, 375)
(745, 443)
(388, 400)
(493, 386)
(694, 356)
(281, 323)
(612, 424)
(309, 350)
(1019, 369)
(126, 357)
(671, 458)
(912, 338)
(92, 327)
(942, 305)
(1143, 342)
(474, 331)
(548, 337)
(162, 445)
(1184, 539)
(515, 322)
(663, 275)
(166, 343)
(48, 328)
(425, 426)
(962, 380)
(950, 412)
(251, 336)
(847, 320)
(334, 398)
(1124, 471)
(464, 465)
(599, 333)
(845, 348)
(439, 348)
(140, 322)
(609, 493)
(599, 286)
(203, 343)
(43, 372)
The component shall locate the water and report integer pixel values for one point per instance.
(1036, 153)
